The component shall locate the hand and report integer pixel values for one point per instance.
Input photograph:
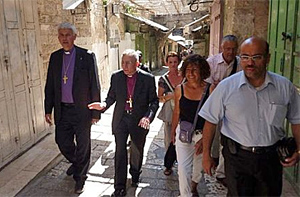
(208, 164)
(144, 123)
(94, 121)
(48, 119)
(216, 82)
(173, 137)
(291, 161)
(97, 105)
(199, 147)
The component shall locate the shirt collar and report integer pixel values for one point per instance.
(244, 80)
(221, 60)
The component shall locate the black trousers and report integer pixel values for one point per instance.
(128, 126)
(252, 174)
(72, 135)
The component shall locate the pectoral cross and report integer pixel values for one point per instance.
(130, 101)
(65, 78)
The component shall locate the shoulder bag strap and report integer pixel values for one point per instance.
(168, 83)
(234, 67)
(200, 104)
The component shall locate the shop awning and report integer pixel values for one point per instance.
(148, 22)
(71, 4)
(198, 20)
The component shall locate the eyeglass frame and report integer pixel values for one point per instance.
(255, 58)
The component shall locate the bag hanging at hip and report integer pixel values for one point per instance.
(186, 132)
(186, 128)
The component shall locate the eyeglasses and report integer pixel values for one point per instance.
(255, 58)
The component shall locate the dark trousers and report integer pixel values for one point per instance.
(252, 174)
(72, 136)
(128, 126)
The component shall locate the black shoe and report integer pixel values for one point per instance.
(119, 192)
(79, 187)
(70, 170)
(222, 181)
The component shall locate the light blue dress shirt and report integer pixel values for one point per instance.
(253, 116)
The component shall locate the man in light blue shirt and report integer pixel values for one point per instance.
(253, 105)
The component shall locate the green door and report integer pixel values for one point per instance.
(284, 40)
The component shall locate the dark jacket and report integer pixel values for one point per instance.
(145, 100)
(86, 86)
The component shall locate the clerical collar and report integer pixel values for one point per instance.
(70, 51)
(132, 75)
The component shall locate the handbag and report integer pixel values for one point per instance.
(286, 148)
(186, 128)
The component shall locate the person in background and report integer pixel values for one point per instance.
(253, 105)
(166, 86)
(72, 83)
(140, 61)
(134, 92)
(183, 55)
(223, 65)
(187, 98)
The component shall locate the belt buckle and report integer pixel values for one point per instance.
(258, 150)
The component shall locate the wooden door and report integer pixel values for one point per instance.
(216, 26)
(21, 95)
(284, 40)
(33, 66)
(7, 128)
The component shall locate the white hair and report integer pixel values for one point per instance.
(131, 53)
(67, 25)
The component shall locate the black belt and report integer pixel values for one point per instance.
(128, 112)
(68, 104)
(233, 146)
(258, 149)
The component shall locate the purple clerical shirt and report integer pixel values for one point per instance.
(68, 71)
(130, 90)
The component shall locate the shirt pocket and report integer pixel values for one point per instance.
(277, 114)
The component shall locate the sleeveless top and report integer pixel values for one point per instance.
(188, 109)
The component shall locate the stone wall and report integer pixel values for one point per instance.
(88, 17)
(245, 18)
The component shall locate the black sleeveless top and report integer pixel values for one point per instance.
(188, 109)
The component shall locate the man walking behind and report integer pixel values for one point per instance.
(72, 83)
(223, 65)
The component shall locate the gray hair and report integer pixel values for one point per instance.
(131, 53)
(231, 38)
(67, 25)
